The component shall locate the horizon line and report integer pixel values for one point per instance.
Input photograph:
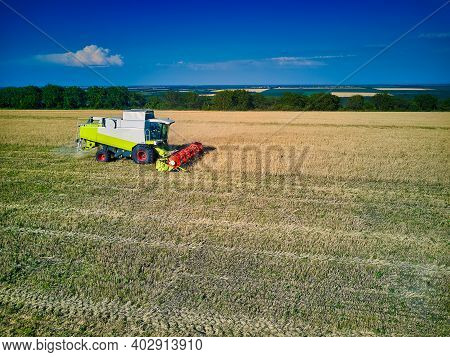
(228, 85)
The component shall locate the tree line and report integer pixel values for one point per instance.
(288, 101)
(57, 97)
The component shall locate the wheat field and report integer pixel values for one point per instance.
(291, 224)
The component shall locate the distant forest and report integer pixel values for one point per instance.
(57, 97)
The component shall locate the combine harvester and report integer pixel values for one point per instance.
(137, 135)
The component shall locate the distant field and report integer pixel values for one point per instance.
(315, 223)
(408, 92)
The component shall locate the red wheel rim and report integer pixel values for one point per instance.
(101, 157)
(141, 155)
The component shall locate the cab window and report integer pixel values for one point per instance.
(155, 131)
(164, 131)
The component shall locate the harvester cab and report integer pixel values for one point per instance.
(137, 135)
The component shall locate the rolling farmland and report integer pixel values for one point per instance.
(292, 224)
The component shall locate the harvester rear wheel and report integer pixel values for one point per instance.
(143, 154)
(103, 155)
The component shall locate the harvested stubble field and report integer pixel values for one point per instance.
(334, 224)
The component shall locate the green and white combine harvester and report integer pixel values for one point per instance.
(137, 135)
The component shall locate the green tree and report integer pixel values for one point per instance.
(383, 102)
(74, 97)
(355, 102)
(444, 105)
(292, 101)
(154, 102)
(173, 100)
(10, 97)
(243, 100)
(402, 104)
(233, 100)
(426, 102)
(52, 96)
(369, 106)
(116, 97)
(224, 100)
(192, 100)
(4, 97)
(95, 97)
(323, 102)
(261, 102)
(29, 97)
(207, 103)
(137, 100)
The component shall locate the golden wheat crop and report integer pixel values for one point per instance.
(291, 224)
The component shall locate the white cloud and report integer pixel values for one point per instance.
(89, 56)
(435, 35)
(295, 62)
(280, 62)
(330, 56)
(224, 65)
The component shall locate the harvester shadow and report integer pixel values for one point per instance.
(207, 149)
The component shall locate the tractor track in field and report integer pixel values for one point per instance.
(190, 191)
(239, 224)
(209, 191)
(144, 318)
(150, 319)
(353, 300)
(422, 268)
(352, 297)
(290, 230)
(234, 178)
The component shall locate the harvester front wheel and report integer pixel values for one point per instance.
(103, 155)
(143, 154)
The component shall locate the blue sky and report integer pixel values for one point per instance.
(227, 42)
